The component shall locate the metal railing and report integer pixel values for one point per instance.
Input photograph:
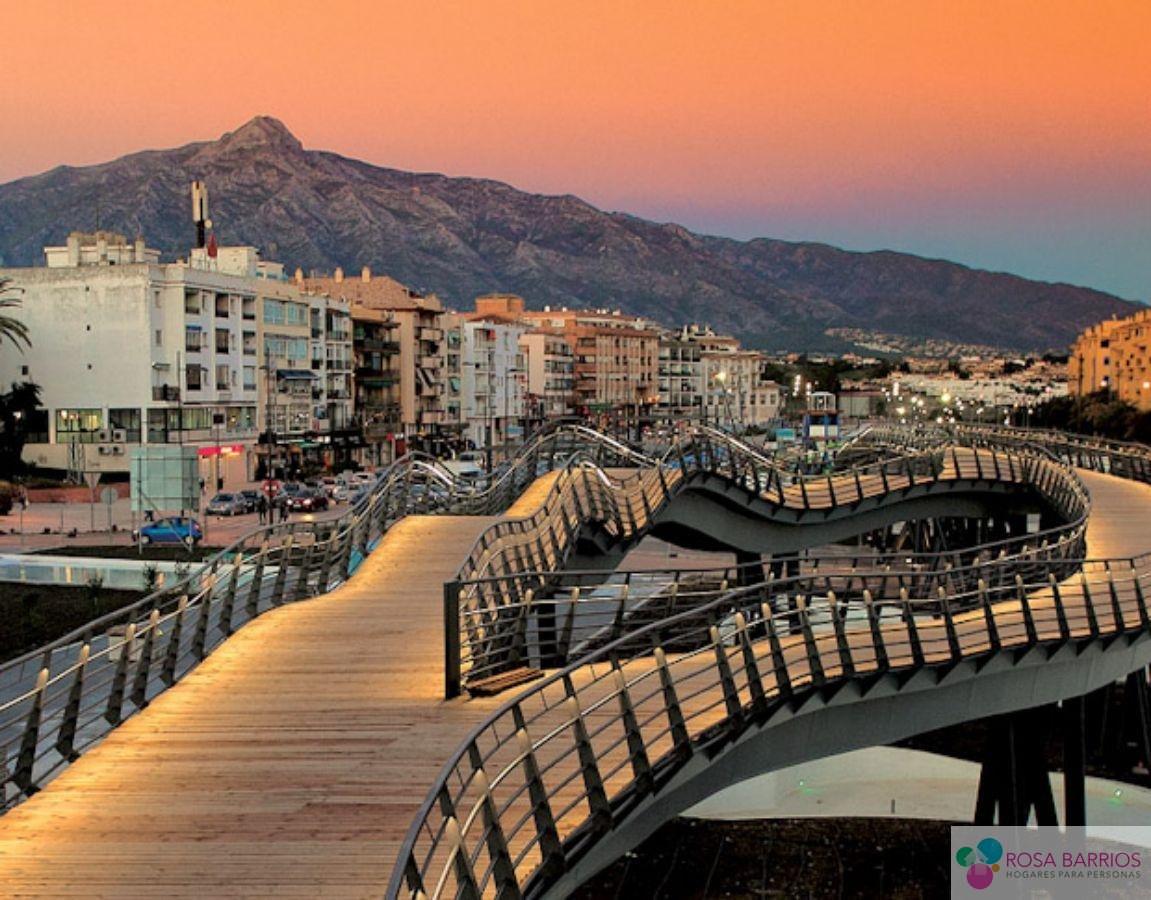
(538, 783)
(551, 772)
(499, 599)
(59, 699)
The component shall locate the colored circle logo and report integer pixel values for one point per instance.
(981, 862)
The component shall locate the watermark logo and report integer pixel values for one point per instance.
(981, 862)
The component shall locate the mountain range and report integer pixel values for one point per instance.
(461, 237)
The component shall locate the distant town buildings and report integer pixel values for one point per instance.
(263, 372)
(1113, 357)
(218, 351)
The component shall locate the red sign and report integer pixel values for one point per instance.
(228, 450)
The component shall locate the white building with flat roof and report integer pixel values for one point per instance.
(128, 350)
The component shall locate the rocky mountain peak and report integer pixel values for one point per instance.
(264, 132)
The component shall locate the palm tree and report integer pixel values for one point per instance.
(11, 329)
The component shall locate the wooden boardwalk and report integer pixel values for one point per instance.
(291, 762)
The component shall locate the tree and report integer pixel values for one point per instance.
(11, 329)
(16, 408)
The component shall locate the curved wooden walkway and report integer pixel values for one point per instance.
(292, 761)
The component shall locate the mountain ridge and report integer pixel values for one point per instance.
(464, 236)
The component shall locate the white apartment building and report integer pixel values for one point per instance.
(128, 350)
(492, 382)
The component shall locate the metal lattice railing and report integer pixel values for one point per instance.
(59, 699)
(536, 785)
(496, 607)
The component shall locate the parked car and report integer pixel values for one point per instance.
(170, 530)
(341, 493)
(227, 505)
(307, 500)
(252, 499)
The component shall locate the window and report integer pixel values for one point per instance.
(282, 312)
(193, 377)
(192, 339)
(285, 351)
(223, 377)
(222, 342)
(221, 306)
(249, 378)
(192, 303)
(163, 425)
(78, 426)
(127, 420)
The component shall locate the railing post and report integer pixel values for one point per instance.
(814, 662)
(326, 564)
(726, 681)
(1140, 600)
(503, 869)
(637, 752)
(912, 629)
(200, 641)
(1116, 606)
(680, 738)
(172, 657)
(255, 585)
(139, 695)
(551, 850)
(598, 805)
(282, 570)
(227, 605)
(881, 661)
(751, 667)
(452, 674)
(302, 588)
(949, 626)
(66, 739)
(845, 661)
(26, 761)
(119, 681)
(466, 887)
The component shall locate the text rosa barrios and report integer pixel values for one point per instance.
(1045, 859)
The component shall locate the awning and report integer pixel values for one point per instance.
(296, 374)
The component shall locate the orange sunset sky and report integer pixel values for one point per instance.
(1007, 134)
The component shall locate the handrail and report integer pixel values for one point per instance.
(483, 617)
(535, 785)
(61, 698)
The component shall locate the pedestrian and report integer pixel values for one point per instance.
(262, 509)
(283, 509)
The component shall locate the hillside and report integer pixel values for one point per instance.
(461, 237)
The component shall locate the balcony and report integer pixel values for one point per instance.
(429, 390)
(165, 392)
(374, 345)
(430, 362)
(374, 379)
(430, 334)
